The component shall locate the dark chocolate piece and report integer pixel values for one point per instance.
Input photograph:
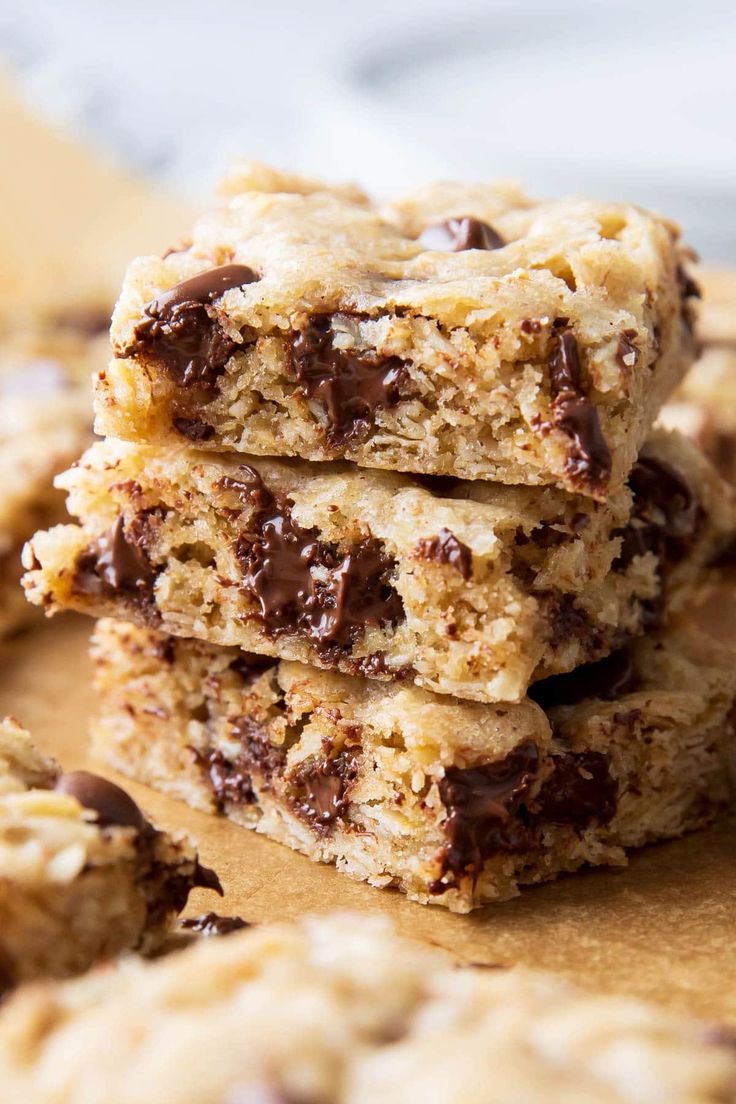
(579, 790)
(590, 458)
(250, 666)
(307, 586)
(179, 333)
(349, 386)
(231, 783)
(319, 789)
(194, 429)
(117, 564)
(445, 548)
(210, 923)
(455, 235)
(483, 805)
(491, 810)
(112, 804)
(607, 679)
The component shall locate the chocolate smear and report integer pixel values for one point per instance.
(310, 587)
(455, 235)
(445, 548)
(181, 335)
(350, 387)
(193, 429)
(589, 460)
(117, 565)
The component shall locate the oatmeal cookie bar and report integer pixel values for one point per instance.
(467, 589)
(455, 803)
(45, 422)
(83, 874)
(465, 331)
(341, 1010)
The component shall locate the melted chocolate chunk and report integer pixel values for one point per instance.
(231, 783)
(665, 517)
(458, 234)
(117, 564)
(193, 429)
(112, 804)
(590, 459)
(310, 587)
(445, 548)
(179, 333)
(607, 679)
(484, 807)
(579, 790)
(7, 974)
(349, 386)
(491, 811)
(319, 789)
(210, 923)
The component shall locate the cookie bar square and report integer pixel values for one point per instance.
(455, 803)
(45, 422)
(464, 331)
(471, 589)
(83, 874)
(341, 1010)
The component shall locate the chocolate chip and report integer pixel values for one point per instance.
(210, 923)
(112, 804)
(627, 351)
(194, 429)
(458, 234)
(350, 387)
(531, 326)
(231, 784)
(179, 333)
(117, 565)
(445, 548)
(310, 587)
(579, 790)
(606, 679)
(319, 789)
(85, 321)
(589, 461)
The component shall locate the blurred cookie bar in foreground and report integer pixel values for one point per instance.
(340, 1010)
(83, 874)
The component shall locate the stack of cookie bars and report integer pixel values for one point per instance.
(391, 563)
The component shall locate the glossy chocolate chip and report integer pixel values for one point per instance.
(458, 234)
(111, 803)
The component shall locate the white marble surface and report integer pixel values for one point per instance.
(613, 97)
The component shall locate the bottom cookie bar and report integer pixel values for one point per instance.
(83, 874)
(456, 803)
(340, 1010)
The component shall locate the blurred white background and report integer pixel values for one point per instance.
(630, 99)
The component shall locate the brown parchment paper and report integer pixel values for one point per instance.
(664, 927)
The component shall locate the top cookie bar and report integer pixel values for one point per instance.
(465, 331)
